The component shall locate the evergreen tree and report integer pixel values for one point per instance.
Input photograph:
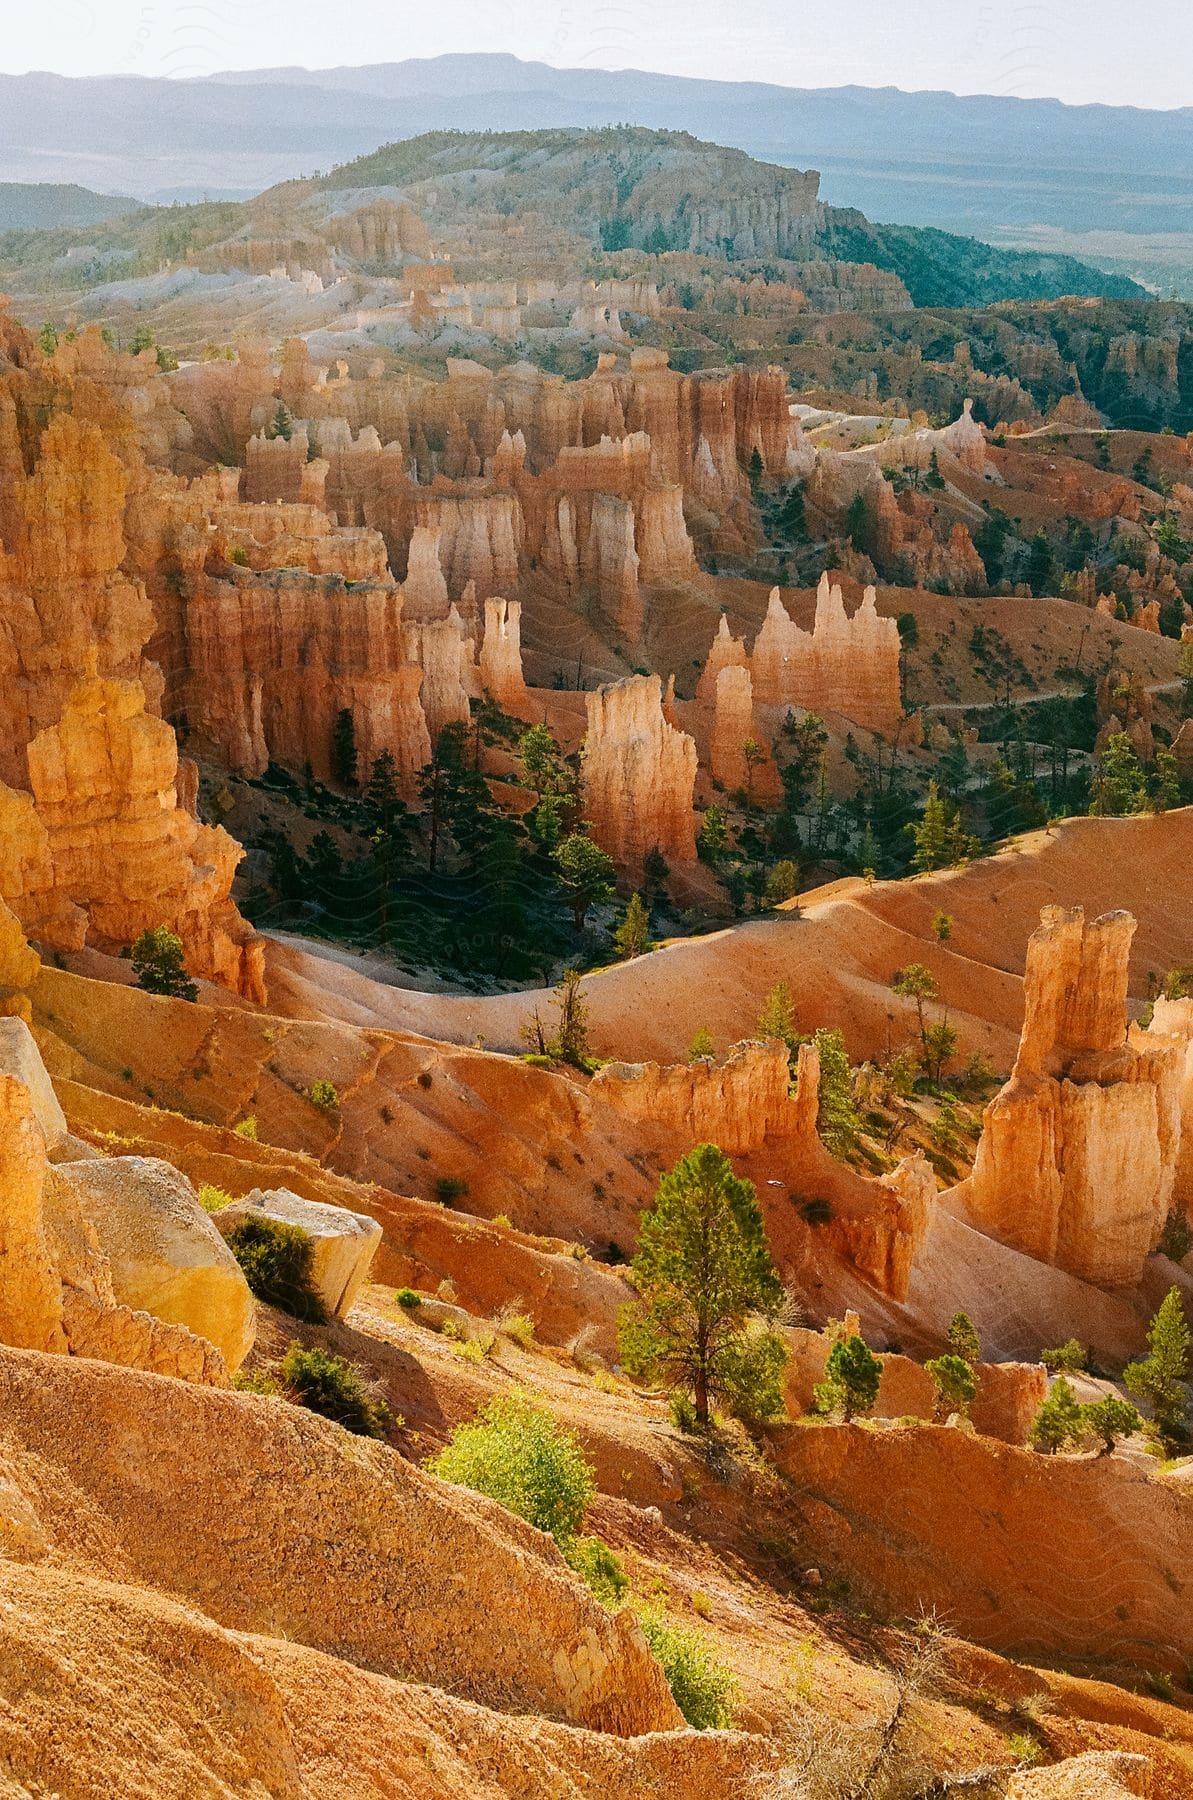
(541, 759)
(343, 748)
(1040, 573)
(953, 1379)
(940, 841)
(776, 1017)
(701, 1046)
(1120, 786)
(1110, 1419)
(1165, 786)
(382, 789)
(1058, 1421)
(852, 1378)
(934, 478)
(782, 883)
(792, 523)
(1160, 1378)
(858, 524)
(917, 983)
(963, 1338)
(281, 425)
(632, 934)
(712, 838)
(836, 1119)
(702, 1269)
(160, 965)
(585, 872)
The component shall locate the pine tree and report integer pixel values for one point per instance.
(1120, 787)
(1165, 785)
(934, 478)
(1160, 1378)
(917, 983)
(382, 789)
(1110, 1419)
(940, 841)
(282, 425)
(702, 1269)
(852, 1378)
(1058, 1421)
(632, 934)
(343, 748)
(953, 1379)
(963, 1338)
(160, 966)
(836, 1118)
(776, 1017)
(585, 872)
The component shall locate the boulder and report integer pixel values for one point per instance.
(21, 1058)
(344, 1242)
(165, 1255)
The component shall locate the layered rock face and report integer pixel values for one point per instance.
(501, 657)
(639, 776)
(104, 849)
(62, 590)
(846, 665)
(1172, 1023)
(76, 1276)
(746, 1106)
(1077, 1160)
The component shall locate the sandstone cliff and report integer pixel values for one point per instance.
(639, 776)
(1077, 1160)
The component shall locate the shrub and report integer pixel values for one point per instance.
(963, 1338)
(247, 1128)
(516, 1325)
(1064, 1359)
(1059, 1421)
(596, 1564)
(213, 1199)
(323, 1094)
(449, 1188)
(334, 1387)
(515, 1453)
(276, 1260)
(701, 1686)
(683, 1410)
(408, 1298)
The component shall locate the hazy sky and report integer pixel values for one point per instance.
(1138, 52)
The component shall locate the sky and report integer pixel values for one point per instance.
(1073, 49)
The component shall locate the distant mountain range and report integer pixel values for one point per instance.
(972, 163)
(48, 205)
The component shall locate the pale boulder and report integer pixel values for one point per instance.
(21, 1058)
(165, 1255)
(344, 1242)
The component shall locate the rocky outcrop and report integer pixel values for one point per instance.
(747, 1107)
(343, 1242)
(164, 1254)
(1172, 1024)
(57, 1286)
(501, 657)
(848, 665)
(639, 776)
(1077, 1160)
(104, 849)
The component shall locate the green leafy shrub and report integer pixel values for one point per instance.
(276, 1259)
(213, 1199)
(596, 1564)
(1064, 1359)
(514, 1452)
(701, 1686)
(324, 1095)
(334, 1387)
(247, 1128)
(408, 1298)
(449, 1188)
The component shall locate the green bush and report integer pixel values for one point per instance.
(701, 1686)
(1064, 1359)
(955, 1385)
(213, 1199)
(276, 1260)
(408, 1298)
(449, 1188)
(515, 1453)
(852, 1377)
(1058, 1422)
(596, 1564)
(324, 1095)
(332, 1386)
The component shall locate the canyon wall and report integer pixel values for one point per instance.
(639, 776)
(848, 665)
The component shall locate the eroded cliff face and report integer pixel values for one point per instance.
(102, 848)
(639, 776)
(1077, 1161)
(845, 664)
(746, 1106)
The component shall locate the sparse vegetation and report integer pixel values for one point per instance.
(277, 1259)
(517, 1454)
(159, 965)
(335, 1388)
(701, 1686)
